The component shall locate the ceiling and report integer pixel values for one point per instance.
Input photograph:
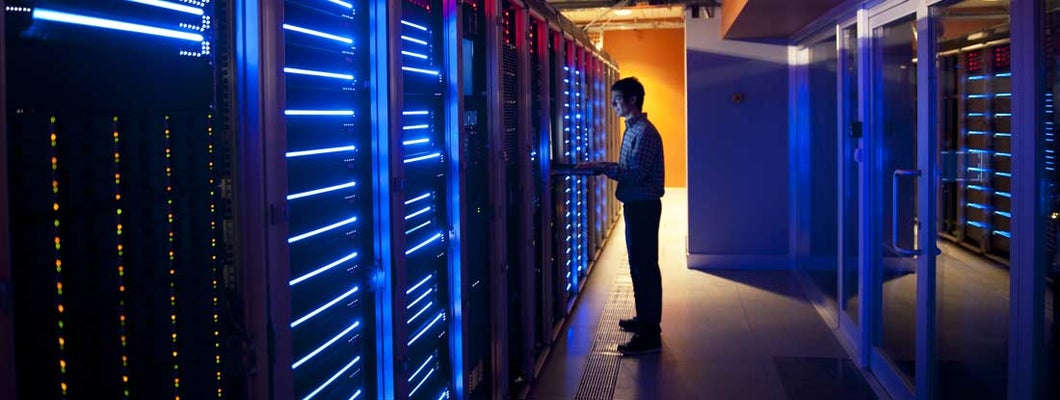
(635, 17)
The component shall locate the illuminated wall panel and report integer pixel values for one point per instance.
(117, 200)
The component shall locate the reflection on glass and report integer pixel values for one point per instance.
(820, 243)
(896, 140)
(974, 93)
(849, 169)
(1052, 56)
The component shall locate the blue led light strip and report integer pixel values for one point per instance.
(425, 377)
(170, 6)
(421, 158)
(322, 230)
(318, 34)
(421, 283)
(321, 190)
(325, 307)
(413, 40)
(417, 213)
(420, 70)
(422, 366)
(426, 328)
(416, 141)
(323, 269)
(340, 149)
(418, 299)
(57, 16)
(420, 197)
(300, 71)
(333, 378)
(342, 3)
(418, 227)
(425, 243)
(325, 345)
(420, 27)
(422, 310)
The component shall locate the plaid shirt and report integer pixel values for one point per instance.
(639, 170)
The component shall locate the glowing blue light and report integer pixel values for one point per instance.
(417, 213)
(324, 307)
(1003, 233)
(333, 378)
(425, 243)
(1003, 115)
(415, 112)
(422, 296)
(420, 70)
(413, 40)
(1003, 95)
(977, 132)
(977, 205)
(422, 366)
(420, 226)
(325, 345)
(421, 158)
(977, 96)
(300, 71)
(420, 27)
(417, 55)
(980, 151)
(977, 187)
(321, 270)
(976, 114)
(321, 190)
(420, 197)
(319, 34)
(425, 377)
(322, 230)
(426, 328)
(1003, 174)
(293, 154)
(171, 6)
(977, 169)
(1004, 194)
(1003, 214)
(445, 394)
(56, 16)
(415, 127)
(319, 112)
(1002, 135)
(976, 77)
(1004, 75)
(1003, 154)
(422, 310)
(347, 5)
(416, 141)
(356, 395)
(422, 282)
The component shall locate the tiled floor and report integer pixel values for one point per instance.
(726, 334)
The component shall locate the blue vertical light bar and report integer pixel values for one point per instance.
(425, 107)
(326, 65)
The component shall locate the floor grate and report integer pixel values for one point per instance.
(601, 367)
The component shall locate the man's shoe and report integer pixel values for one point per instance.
(629, 325)
(641, 345)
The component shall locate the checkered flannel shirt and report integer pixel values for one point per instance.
(639, 170)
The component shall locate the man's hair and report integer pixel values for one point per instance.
(630, 87)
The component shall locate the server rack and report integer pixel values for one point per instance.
(977, 203)
(329, 200)
(117, 192)
(540, 156)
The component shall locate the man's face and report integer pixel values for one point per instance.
(622, 105)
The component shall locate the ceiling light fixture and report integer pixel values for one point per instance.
(623, 11)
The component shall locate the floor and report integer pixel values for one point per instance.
(726, 334)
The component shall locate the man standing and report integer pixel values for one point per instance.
(639, 173)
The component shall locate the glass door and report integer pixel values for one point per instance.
(900, 198)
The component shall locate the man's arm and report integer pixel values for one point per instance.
(646, 151)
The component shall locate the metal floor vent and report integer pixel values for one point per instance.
(601, 368)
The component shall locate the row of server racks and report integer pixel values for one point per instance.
(294, 199)
(976, 79)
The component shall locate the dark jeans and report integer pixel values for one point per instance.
(642, 245)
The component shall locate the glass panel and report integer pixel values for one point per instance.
(850, 179)
(895, 119)
(820, 245)
(974, 97)
(1052, 90)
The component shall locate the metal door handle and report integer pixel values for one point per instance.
(894, 211)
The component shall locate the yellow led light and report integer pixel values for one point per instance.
(117, 197)
(61, 309)
(124, 378)
(174, 355)
(55, 206)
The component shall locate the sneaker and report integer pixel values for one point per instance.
(641, 345)
(629, 325)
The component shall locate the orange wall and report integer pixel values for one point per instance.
(657, 58)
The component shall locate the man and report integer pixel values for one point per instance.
(639, 173)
